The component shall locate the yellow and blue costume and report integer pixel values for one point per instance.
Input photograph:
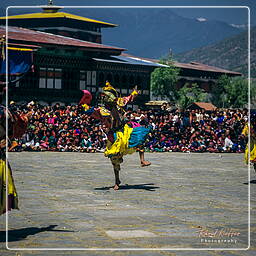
(123, 139)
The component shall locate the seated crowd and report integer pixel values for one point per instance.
(60, 128)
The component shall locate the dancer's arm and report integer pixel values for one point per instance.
(99, 113)
(123, 101)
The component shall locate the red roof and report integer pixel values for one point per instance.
(205, 105)
(193, 65)
(37, 37)
(200, 66)
(24, 45)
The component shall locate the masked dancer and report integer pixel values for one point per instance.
(124, 137)
(17, 125)
(250, 152)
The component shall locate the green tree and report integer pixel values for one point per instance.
(230, 92)
(189, 94)
(218, 91)
(163, 81)
(237, 93)
(253, 93)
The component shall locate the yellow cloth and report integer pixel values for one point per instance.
(11, 188)
(134, 93)
(120, 146)
(252, 153)
(109, 87)
(121, 102)
(85, 106)
(104, 111)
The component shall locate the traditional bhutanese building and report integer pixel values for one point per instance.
(70, 57)
(194, 72)
(62, 66)
(203, 75)
(53, 21)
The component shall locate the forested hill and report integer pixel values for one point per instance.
(230, 53)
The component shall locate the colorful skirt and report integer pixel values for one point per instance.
(252, 156)
(127, 141)
(12, 194)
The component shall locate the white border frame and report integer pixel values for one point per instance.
(136, 249)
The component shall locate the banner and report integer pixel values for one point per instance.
(19, 60)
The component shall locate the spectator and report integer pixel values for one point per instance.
(60, 128)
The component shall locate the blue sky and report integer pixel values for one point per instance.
(235, 16)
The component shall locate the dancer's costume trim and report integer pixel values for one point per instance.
(12, 193)
(252, 154)
(121, 143)
(123, 137)
(16, 127)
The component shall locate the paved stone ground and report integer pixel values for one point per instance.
(67, 200)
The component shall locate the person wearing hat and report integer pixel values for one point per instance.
(123, 138)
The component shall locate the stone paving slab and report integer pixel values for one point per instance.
(67, 200)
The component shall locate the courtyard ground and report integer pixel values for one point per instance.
(181, 201)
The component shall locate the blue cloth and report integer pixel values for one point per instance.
(138, 136)
(19, 62)
(220, 119)
(89, 111)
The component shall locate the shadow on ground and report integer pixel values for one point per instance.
(148, 186)
(22, 233)
(252, 182)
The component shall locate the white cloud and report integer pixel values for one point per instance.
(238, 26)
(201, 19)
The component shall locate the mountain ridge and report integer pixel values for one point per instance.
(153, 32)
(230, 53)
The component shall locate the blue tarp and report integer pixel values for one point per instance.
(20, 62)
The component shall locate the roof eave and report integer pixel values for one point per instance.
(116, 51)
(22, 16)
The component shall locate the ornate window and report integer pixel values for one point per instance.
(82, 83)
(87, 79)
(50, 78)
(146, 92)
(124, 91)
(93, 77)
